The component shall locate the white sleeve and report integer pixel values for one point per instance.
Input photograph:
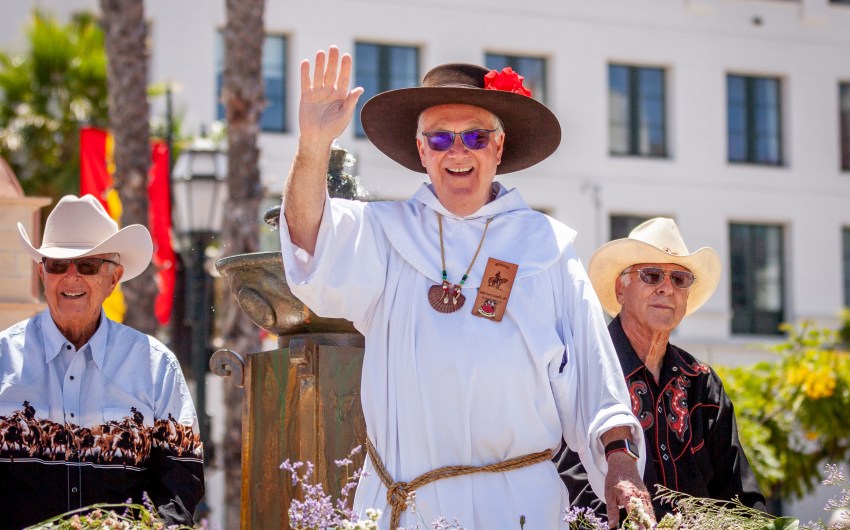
(346, 275)
(589, 387)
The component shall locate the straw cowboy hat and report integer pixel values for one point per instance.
(80, 227)
(655, 241)
(532, 130)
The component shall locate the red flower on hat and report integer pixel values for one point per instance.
(506, 80)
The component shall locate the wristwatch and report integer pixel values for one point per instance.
(621, 445)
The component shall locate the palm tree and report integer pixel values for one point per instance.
(46, 92)
(127, 74)
(243, 97)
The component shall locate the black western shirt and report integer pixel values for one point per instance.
(689, 427)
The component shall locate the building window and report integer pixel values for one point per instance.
(621, 225)
(636, 112)
(381, 67)
(754, 119)
(757, 278)
(844, 112)
(273, 118)
(846, 245)
(533, 69)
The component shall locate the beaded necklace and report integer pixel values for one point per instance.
(447, 298)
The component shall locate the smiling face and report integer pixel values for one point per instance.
(656, 309)
(75, 299)
(461, 176)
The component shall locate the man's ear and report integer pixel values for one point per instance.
(40, 268)
(117, 274)
(619, 289)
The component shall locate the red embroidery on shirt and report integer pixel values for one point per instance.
(638, 389)
(677, 417)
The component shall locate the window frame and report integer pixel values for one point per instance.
(221, 112)
(385, 68)
(750, 132)
(844, 124)
(635, 102)
(513, 60)
(747, 318)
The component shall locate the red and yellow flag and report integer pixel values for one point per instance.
(96, 169)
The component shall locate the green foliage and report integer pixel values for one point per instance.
(46, 94)
(792, 413)
(102, 516)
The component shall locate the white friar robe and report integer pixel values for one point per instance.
(456, 389)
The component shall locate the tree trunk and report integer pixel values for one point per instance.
(243, 98)
(127, 75)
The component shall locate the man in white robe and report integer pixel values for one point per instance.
(448, 380)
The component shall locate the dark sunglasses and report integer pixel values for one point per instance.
(473, 139)
(84, 266)
(654, 276)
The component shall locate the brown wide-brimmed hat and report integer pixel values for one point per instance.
(657, 240)
(80, 226)
(532, 131)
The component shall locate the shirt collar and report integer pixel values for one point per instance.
(629, 360)
(54, 340)
(506, 200)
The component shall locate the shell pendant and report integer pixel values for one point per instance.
(445, 298)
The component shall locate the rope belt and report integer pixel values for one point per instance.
(398, 492)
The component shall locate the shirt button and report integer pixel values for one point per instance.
(72, 414)
(68, 347)
(74, 489)
(663, 447)
(665, 457)
(660, 409)
(675, 369)
(71, 378)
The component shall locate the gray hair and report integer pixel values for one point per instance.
(625, 277)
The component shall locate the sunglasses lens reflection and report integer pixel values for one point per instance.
(84, 266)
(654, 276)
(473, 139)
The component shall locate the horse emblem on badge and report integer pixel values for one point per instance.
(488, 308)
(496, 281)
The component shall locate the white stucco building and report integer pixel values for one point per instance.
(731, 116)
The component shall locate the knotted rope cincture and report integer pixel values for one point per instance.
(399, 492)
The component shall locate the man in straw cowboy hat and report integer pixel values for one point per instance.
(466, 392)
(649, 282)
(91, 411)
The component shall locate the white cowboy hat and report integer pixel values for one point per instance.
(655, 241)
(80, 227)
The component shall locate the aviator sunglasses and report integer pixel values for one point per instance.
(473, 139)
(84, 266)
(654, 276)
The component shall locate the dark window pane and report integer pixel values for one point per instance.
(844, 106)
(846, 245)
(757, 278)
(274, 80)
(621, 225)
(754, 120)
(636, 100)
(273, 117)
(532, 69)
(379, 68)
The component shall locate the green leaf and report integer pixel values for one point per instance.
(783, 523)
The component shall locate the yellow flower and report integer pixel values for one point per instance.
(819, 384)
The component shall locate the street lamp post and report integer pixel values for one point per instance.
(199, 188)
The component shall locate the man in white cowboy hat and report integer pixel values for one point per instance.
(485, 343)
(649, 282)
(91, 411)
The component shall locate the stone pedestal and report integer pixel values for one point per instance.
(302, 400)
(19, 290)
